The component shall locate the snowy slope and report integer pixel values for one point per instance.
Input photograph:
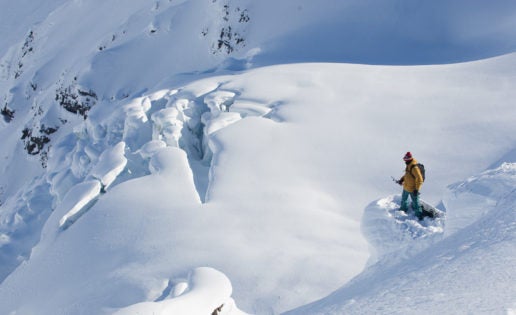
(149, 162)
(471, 272)
(283, 189)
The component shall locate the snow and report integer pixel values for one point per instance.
(111, 163)
(256, 179)
(479, 195)
(78, 199)
(271, 178)
(388, 229)
(471, 272)
(207, 290)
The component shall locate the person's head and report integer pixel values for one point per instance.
(408, 157)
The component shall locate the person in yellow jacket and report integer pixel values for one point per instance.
(412, 182)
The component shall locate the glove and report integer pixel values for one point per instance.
(416, 192)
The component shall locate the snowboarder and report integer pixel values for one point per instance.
(412, 182)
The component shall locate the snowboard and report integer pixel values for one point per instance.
(430, 211)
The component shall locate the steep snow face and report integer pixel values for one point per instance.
(60, 60)
(17, 17)
(84, 53)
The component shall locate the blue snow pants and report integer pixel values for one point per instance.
(415, 202)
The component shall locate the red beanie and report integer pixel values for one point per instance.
(408, 156)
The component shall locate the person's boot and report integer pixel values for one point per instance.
(419, 214)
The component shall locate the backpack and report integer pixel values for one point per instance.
(421, 169)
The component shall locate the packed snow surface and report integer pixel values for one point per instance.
(224, 157)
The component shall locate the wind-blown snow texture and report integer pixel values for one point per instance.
(227, 157)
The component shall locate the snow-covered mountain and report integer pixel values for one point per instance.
(232, 157)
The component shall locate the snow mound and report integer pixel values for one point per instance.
(390, 230)
(207, 291)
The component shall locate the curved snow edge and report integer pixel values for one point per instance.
(208, 291)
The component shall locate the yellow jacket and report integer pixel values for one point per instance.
(412, 179)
